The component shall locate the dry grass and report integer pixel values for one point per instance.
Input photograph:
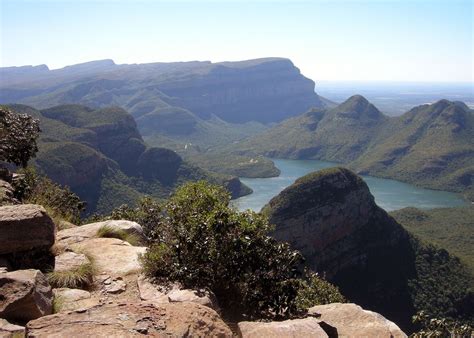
(81, 277)
(110, 232)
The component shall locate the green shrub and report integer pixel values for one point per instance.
(440, 327)
(60, 202)
(202, 242)
(316, 291)
(110, 232)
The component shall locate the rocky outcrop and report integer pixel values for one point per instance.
(24, 295)
(68, 261)
(87, 231)
(8, 330)
(351, 320)
(112, 256)
(332, 218)
(295, 328)
(73, 299)
(25, 227)
(133, 320)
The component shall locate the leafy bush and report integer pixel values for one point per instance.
(110, 232)
(18, 134)
(440, 327)
(199, 241)
(317, 291)
(60, 202)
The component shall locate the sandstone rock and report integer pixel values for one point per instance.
(25, 227)
(69, 261)
(150, 292)
(133, 320)
(4, 264)
(73, 299)
(115, 285)
(351, 320)
(24, 295)
(8, 330)
(295, 328)
(87, 231)
(112, 256)
(203, 297)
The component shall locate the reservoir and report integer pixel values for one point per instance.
(389, 194)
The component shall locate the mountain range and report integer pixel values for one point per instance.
(431, 145)
(101, 156)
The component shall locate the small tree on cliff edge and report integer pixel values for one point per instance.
(18, 134)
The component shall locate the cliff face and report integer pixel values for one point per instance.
(264, 90)
(269, 91)
(331, 217)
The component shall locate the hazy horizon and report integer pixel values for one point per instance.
(351, 40)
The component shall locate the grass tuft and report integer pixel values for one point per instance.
(81, 277)
(106, 231)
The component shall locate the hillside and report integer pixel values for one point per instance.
(330, 216)
(101, 156)
(449, 228)
(202, 104)
(431, 145)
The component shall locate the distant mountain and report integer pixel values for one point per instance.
(330, 216)
(431, 145)
(100, 154)
(263, 90)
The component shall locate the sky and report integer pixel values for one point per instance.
(351, 40)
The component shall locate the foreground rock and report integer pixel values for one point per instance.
(296, 328)
(175, 294)
(24, 295)
(111, 256)
(6, 194)
(133, 320)
(8, 330)
(73, 299)
(351, 320)
(25, 227)
(68, 261)
(87, 231)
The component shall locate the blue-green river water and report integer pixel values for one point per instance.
(389, 194)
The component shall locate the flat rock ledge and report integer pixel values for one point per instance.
(133, 320)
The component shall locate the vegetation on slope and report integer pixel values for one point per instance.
(101, 156)
(449, 228)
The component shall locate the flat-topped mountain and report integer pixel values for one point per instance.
(102, 157)
(330, 216)
(431, 145)
(264, 90)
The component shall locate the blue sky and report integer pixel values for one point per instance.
(416, 40)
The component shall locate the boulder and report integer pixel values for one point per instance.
(294, 328)
(151, 292)
(351, 320)
(133, 320)
(203, 297)
(73, 299)
(25, 227)
(174, 293)
(87, 231)
(68, 261)
(24, 295)
(8, 330)
(111, 256)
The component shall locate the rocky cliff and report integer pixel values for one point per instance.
(332, 218)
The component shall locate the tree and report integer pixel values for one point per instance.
(18, 134)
